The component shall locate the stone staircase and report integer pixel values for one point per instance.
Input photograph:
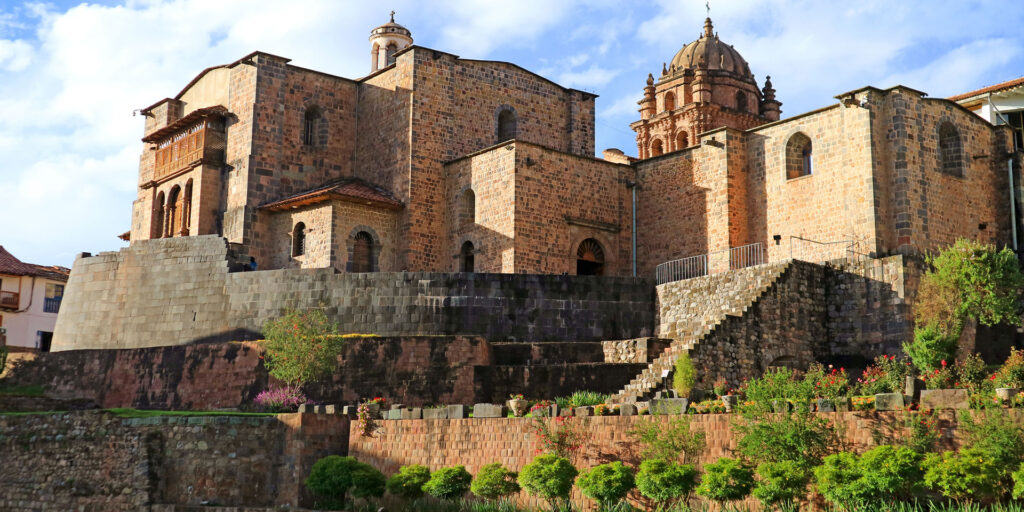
(691, 310)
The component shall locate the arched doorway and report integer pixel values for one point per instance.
(466, 256)
(362, 252)
(590, 258)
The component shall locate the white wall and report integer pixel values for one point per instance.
(22, 327)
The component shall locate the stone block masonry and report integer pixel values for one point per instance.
(177, 291)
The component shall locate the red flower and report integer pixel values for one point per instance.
(943, 363)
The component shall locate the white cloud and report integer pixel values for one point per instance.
(14, 55)
(588, 79)
(477, 27)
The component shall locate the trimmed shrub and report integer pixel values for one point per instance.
(665, 482)
(890, 472)
(838, 479)
(367, 482)
(931, 345)
(781, 482)
(971, 474)
(684, 376)
(800, 436)
(494, 481)
(330, 479)
(607, 484)
(449, 483)
(726, 480)
(549, 477)
(997, 434)
(408, 482)
(1018, 483)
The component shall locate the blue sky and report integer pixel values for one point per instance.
(71, 74)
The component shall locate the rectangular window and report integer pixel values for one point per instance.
(54, 295)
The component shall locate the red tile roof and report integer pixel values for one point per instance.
(13, 266)
(347, 189)
(986, 90)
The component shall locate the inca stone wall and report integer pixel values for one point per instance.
(177, 291)
(98, 462)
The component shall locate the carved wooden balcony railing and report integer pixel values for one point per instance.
(196, 139)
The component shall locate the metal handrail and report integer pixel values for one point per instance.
(696, 266)
(849, 246)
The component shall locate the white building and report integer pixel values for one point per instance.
(999, 104)
(30, 297)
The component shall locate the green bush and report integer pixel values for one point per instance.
(494, 481)
(971, 474)
(887, 374)
(302, 346)
(330, 479)
(726, 480)
(607, 484)
(684, 376)
(367, 482)
(665, 482)
(549, 477)
(449, 483)
(838, 479)
(987, 281)
(408, 482)
(1018, 483)
(3, 358)
(778, 384)
(781, 482)
(890, 472)
(1011, 374)
(997, 434)
(668, 440)
(800, 436)
(931, 345)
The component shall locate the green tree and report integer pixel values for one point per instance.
(494, 481)
(726, 480)
(665, 482)
(302, 346)
(549, 477)
(449, 483)
(800, 436)
(408, 482)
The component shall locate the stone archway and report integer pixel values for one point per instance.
(590, 258)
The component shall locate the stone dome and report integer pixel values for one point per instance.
(390, 28)
(708, 52)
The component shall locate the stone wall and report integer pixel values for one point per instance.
(177, 291)
(99, 462)
(868, 306)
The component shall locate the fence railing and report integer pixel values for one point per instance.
(9, 300)
(711, 263)
(51, 305)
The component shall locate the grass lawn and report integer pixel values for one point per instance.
(22, 390)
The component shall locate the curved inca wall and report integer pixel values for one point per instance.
(179, 290)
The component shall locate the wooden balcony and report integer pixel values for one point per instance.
(196, 139)
(9, 300)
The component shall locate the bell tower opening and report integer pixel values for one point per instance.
(385, 41)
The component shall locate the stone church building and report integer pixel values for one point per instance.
(434, 162)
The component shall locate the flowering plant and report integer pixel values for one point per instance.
(1011, 374)
(541, 404)
(280, 399)
(367, 420)
(886, 375)
(707, 407)
(562, 436)
(940, 378)
(515, 396)
(377, 400)
(830, 384)
(302, 346)
(863, 403)
(602, 410)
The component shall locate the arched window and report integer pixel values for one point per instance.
(741, 101)
(310, 125)
(466, 256)
(670, 101)
(299, 240)
(391, 49)
(374, 56)
(157, 227)
(506, 125)
(173, 211)
(590, 258)
(186, 209)
(682, 140)
(362, 253)
(467, 208)
(798, 156)
(656, 147)
(951, 159)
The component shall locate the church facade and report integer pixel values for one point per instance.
(433, 162)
